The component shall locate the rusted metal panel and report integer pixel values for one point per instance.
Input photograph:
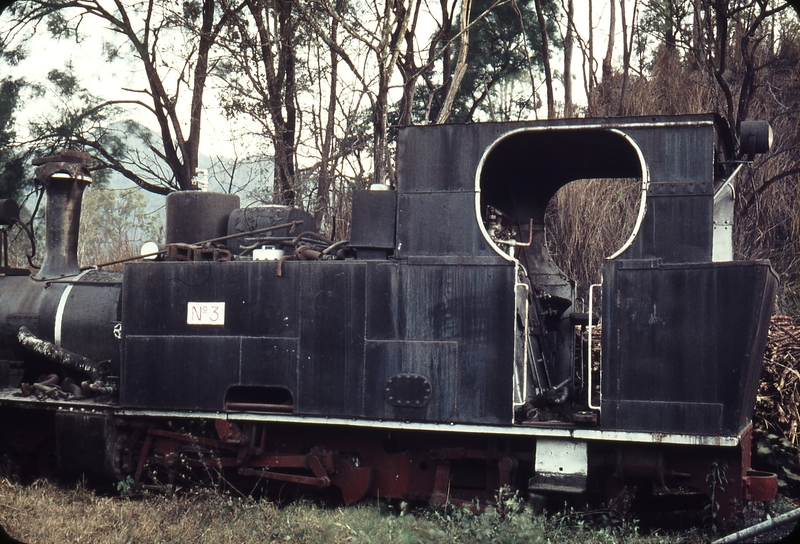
(451, 323)
(89, 443)
(679, 152)
(270, 361)
(561, 465)
(682, 344)
(440, 224)
(263, 304)
(179, 372)
(332, 314)
(314, 345)
(433, 396)
(675, 230)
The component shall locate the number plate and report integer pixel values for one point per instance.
(205, 313)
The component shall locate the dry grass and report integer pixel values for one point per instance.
(41, 512)
(44, 513)
(589, 220)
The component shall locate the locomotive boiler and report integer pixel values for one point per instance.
(438, 355)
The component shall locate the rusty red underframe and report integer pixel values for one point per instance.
(403, 474)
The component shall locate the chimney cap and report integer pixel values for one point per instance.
(66, 155)
(74, 164)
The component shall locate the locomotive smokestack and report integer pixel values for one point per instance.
(64, 176)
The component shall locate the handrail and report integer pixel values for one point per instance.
(589, 349)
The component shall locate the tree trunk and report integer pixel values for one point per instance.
(461, 66)
(568, 60)
(395, 22)
(281, 92)
(589, 74)
(410, 72)
(288, 95)
(380, 123)
(192, 146)
(626, 55)
(325, 168)
(698, 48)
(548, 77)
(607, 70)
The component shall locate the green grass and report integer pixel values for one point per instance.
(43, 512)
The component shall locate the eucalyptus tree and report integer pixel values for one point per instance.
(168, 45)
(381, 27)
(506, 51)
(12, 159)
(114, 225)
(259, 70)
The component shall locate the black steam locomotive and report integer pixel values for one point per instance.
(437, 356)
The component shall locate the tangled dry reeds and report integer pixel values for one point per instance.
(777, 413)
(778, 401)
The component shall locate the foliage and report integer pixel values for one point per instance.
(13, 178)
(716, 480)
(505, 47)
(125, 487)
(171, 50)
(114, 225)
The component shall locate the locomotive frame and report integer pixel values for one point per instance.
(432, 358)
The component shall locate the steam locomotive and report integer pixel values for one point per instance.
(437, 356)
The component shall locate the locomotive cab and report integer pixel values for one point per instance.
(521, 172)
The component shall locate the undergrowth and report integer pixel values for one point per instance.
(43, 512)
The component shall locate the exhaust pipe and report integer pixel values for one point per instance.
(64, 176)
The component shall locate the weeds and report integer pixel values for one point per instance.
(125, 487)
(716, 478)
